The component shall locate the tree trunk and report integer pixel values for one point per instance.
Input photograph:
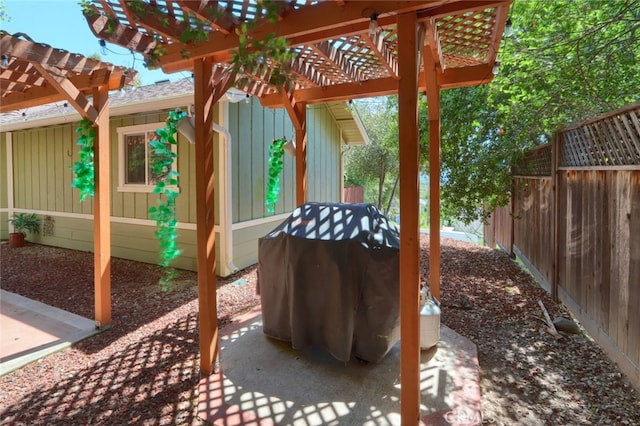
(381, 187)
(393, 191)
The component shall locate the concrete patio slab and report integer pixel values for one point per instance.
(31, 330)
(264, 381)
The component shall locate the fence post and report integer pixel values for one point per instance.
(512, 224)
(555, 142)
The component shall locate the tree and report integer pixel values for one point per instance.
(375, 165)
(4, 16)
(566, 61)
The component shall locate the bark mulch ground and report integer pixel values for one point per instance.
(144, 370)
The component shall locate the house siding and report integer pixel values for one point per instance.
(42, 172)
(252, 129)
(4, 200)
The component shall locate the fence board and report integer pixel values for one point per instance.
(503, 232)
(634, 271)
(532, 230)
(353, 194)
(596, 232)
(488, 232)
(622, 253)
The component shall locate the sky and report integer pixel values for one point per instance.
(60, 24)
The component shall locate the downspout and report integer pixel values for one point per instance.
(10, 196)
(226, 197)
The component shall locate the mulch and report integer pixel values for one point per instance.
(144, 370)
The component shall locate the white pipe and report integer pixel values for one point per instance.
(10, 200)
(226, 196)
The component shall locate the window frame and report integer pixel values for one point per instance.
(125, 131)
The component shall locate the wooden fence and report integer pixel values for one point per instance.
(354, 194)
(574, 220)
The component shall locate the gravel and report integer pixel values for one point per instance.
(144, 370)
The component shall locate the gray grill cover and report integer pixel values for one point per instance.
(329, 277)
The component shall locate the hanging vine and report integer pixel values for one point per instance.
(83, 170)
(166, 187)
(276, 163)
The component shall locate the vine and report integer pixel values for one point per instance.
(165, 212)
(83, 170)
(251, 53)
(276, 163)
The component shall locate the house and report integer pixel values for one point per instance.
(38, 150)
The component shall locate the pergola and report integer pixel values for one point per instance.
(343, 50)
(34, 74)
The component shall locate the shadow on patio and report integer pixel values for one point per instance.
(265, 381)
(159, 370)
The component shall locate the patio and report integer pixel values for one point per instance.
(32, 330)
(264, 381)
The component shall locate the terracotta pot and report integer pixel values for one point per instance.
(16, 239)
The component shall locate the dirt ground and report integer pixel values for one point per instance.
(145, 369)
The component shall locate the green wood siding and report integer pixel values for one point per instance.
(245, 242)
(4, 202)
(324, 148)
(253, 129)
(43, 160)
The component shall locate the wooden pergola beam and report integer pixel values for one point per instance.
(152, 19)
(219, 18)
(460, 7)
(42, 54)
(307, 25)
(71, 92)
(23, 72)
(46, 94)
(450, 78)
(309, 74)
(338, 92)
(329, 53)
(433, 43)
(13, 86)
(377, 46)
(121, 35)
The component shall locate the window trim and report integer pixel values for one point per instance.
(127, 130)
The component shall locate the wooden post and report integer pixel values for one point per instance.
(555, 142)
(409, 219)
(205, 215)
(301, 163)
(102, 209)
(512, 219)
(297, 112)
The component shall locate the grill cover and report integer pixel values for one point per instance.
(329, 277)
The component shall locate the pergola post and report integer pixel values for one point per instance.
(98, 113)
(298, 115)
(408, 53)
(102, 209)
(433, 103)
(205, 232)
(301, 161)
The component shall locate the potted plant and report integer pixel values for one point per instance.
(23, 223)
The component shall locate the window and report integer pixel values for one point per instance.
(136, 156)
